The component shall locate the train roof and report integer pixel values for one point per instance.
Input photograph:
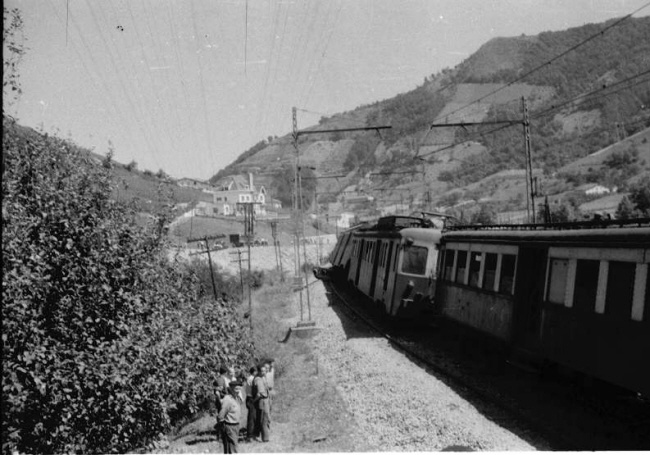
(391, 226)
(423, 235)
(621, 231)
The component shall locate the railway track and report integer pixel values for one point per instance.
(560, 414)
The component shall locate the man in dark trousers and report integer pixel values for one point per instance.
(250, 405)
(261, 398)
(228, 418)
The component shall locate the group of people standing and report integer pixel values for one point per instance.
(243, 404)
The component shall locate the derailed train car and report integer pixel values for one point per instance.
(573, 294)
(393, 262)
(576, 295)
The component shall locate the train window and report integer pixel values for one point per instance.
(449, 264)
(557, 280)
(620, 290)
(414, 259)
(586, 285)
(646, 313)
(461, 265)
(490, 272)
(640, 302)
(507, 280)
(475, 259)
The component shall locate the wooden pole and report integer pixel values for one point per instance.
(214, 286)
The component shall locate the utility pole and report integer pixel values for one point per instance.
(318, 245)
(530, 187)
(241, 273)
(249, 229)
(206, 239)
(300, 228)
(530, 191)
(297, 280)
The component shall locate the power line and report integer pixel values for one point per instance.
(594, 92)
(147, 64)
(548, 62)
(208, 135)
(545, 112)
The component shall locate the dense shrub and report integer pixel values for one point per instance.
(106, 343)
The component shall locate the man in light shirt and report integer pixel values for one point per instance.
(270, 380)
(229, 416)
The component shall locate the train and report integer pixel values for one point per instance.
(570, 294)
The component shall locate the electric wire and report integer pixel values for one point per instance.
(208, 135)
(325, 49)
(317, 58)
(546, 112)
(548, 62)
(148, 67)
(95, 76)
(137, 113)
(272, 39)
(188, 127)
(131, 111)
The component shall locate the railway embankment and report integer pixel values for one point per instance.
(348, 390)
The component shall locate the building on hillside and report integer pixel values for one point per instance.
(354, 195)
(274, 204)
(187, 182)
(231, 192)
(204, 206)
(394, 209)
(345, 220)
(593, 189)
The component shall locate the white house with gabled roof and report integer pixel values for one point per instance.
(231, 191)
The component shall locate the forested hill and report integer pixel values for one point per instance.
(585, 88)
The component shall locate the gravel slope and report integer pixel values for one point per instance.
(397, 405)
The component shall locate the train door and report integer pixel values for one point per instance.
(529, 295)
(382, 272)
(362, 251)
(391, 274)
(375, 265)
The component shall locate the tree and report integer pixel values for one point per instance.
(283, 185)
(362, 152)
(640, 196)
(132, 166)
(107, 162)
(106, 343)
(625, 209)
(485, 216)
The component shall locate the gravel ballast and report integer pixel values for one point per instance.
(396, 403)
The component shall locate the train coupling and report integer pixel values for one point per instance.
(322, 273)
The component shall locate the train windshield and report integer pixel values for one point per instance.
(414, 260)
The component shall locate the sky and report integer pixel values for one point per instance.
(187, 86)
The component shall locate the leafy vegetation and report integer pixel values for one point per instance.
(362, 153)
(106, 343)
(638, 203)
(282, 186)
(240, 159)
(408, 113)
(615, 56)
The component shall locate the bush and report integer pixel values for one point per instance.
(106, 344)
